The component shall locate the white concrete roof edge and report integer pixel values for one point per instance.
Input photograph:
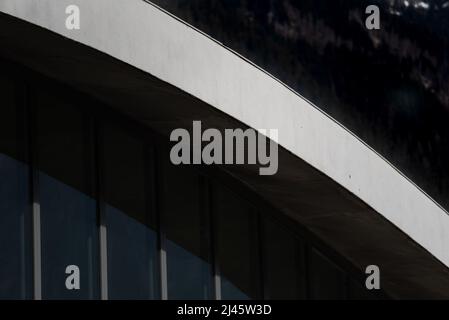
(296, 93)
(229, 82)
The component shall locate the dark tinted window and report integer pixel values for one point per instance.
(67, 205)
(186, 225)
(284, 270)
(237, 248)
(131, 236)
(15, 231)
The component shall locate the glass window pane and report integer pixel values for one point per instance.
(236, 246)
(284, 263)
(15, 231)
(68, 209)
(131, 236)
(326, 280)
(186, 228)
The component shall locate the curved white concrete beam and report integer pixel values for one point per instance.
(152, 40)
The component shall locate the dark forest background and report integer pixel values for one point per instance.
(389, 86)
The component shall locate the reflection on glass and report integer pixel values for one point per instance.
(236, 246)
(230, 291)
(68, 210)
(131, 236)
(284, 263)
(15, 253)
(186, 226)
(131, 257)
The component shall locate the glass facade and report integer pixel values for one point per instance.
(237, 246)
(15, 227)
(283, 280)
(186, 228)
(82, 187)
(128, 214)
(65, 182)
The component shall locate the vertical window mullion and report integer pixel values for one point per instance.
(213, 236)
(36, 238)
(158, 176)
(151, 212)
(101, 212)
(23, 153)
(163, 267)
(35, 203)
(103, 253)
(207, 241)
